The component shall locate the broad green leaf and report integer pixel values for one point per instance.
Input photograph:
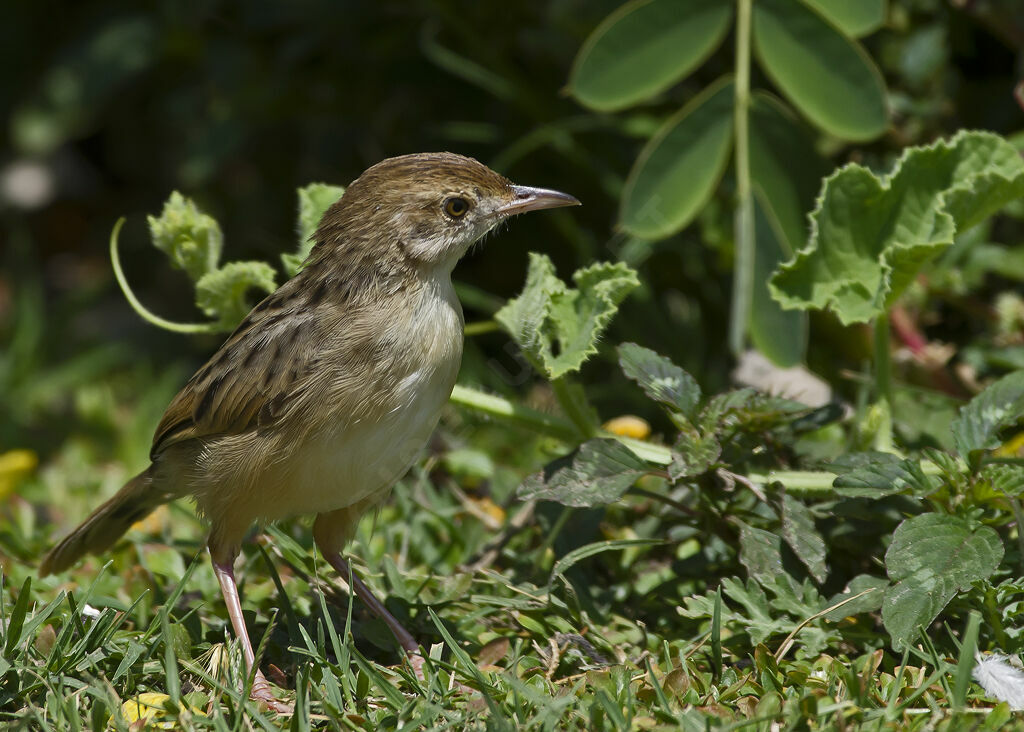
(191, 239)
(803, 538)
(222, 293)
(645, 47)
(557, 326)
(660, 379)
(885, 477)
(829, 77)
(677, 171)
(870, 235)
(314, 200)
(598, 472)
(761, 554)
(868, 603)
(977, 426)
(931, 558)
(855, 18)
(1004, 480)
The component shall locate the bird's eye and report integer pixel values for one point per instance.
(456, 207)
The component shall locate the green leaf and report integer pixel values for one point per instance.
(977, 426)
(598, 472)
(660, 379)
(803, 538)
(314, 200)
(645, 47)
(222, 292)
(761, 554)
(870, 235)
(827, 76)
(1006, 480)
(557, 326)
(678, 170)
(931, 558)
(855, 19)
(191, 239)
(17, 619)
(869, 603)
(886, 477)
(693, 454)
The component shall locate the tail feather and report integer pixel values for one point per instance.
(106, 524)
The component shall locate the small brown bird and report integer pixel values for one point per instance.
(326, 392)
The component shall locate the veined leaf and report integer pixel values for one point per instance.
(855, 19)
(314, 200)
(977, 426)
(870, 235)
(677, 171)
(191, 239)
(660, 379)
(598, 472)
(800, 533)
(222, 293)
(931, 558)
(645, 47)
(885, 477)
(829, 77)
(557, 326)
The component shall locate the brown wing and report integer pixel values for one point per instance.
(248, 381)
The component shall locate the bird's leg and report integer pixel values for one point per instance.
(224, 568)
(331, 531)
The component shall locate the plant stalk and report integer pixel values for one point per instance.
(883, 384)
(743, 223)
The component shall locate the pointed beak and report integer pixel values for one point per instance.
(526, 199)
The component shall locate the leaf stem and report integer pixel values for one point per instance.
(743, 270)
(883, 383)
(141, 309)
(576, 412)
(480, 327)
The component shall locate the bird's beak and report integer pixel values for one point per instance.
(526, 199)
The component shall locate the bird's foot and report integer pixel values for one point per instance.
(263, 693)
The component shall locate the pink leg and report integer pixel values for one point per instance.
(225, 572)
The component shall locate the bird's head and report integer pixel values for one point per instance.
(428, 208)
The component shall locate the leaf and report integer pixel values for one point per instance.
(871, 235)
(693, 454)
(222, 292)
(558, 327)
(869, 603)
(886, 477)
(598, 472)
(1006, 480)
(931, 558)
(761, 554)
(803, 538)
(660, 379)
(855, 19)
(678, 170)
(191, 239)
(977, 426)
(314, 200)
(645, 47)
(819, 69)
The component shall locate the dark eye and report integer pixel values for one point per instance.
(456, 207)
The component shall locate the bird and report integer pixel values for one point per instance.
(327, 391)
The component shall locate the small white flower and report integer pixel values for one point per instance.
(1000, 679)
(89, 611)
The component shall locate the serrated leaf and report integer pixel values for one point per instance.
(885, 478)
(693, 454)
(977, 426)
(761, 554)
(855, 19)
(678, 170)
(598, 472)
(221, 294)
(800, 533)
(558, 327)
(645, 47)
(660, 379)
(870, 235)
(190, 238)
(819, 69)
(1007, 480)
(314, 200)
(932, 557)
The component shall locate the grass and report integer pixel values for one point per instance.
(555, 619)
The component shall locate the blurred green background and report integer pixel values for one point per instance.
(110, 106)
